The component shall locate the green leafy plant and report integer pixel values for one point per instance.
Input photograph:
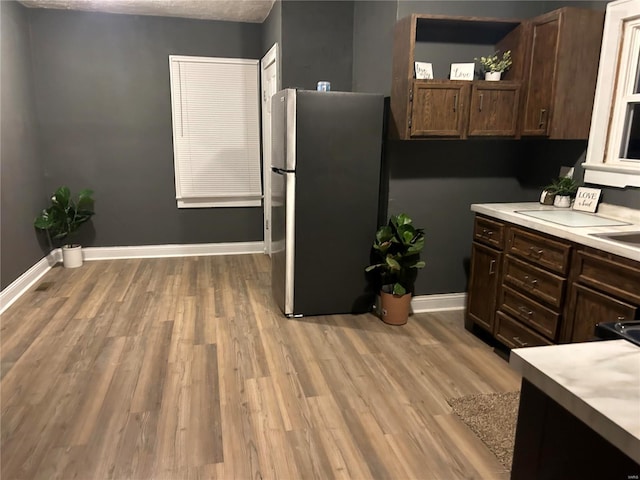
(397, 250)
(563, 186)
(494, 63)
(65, 215)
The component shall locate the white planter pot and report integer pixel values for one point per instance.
(492, 76)
(562, 201)
(72, 256)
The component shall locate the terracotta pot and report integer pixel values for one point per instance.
(394, 308)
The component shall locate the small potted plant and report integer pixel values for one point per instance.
(396, 252)
(63, 218)
(563, 189)
(494, 65)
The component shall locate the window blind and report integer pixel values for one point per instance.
(216, 133)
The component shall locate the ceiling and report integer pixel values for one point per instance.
(252, 11)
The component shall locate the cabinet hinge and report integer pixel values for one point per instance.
(411, 95)
(409, 122)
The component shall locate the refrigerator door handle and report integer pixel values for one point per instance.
(290, 222)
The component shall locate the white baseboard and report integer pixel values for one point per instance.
(20, 285)
(438, 303)
(159, 251)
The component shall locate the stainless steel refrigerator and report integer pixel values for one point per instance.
(325, 181)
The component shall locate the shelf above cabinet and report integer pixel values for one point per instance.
(452, 29)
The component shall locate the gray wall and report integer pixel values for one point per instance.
(272, 27)
(22, 180)
(272, 31)
(373, 23)
(317, 44)
(103, 101)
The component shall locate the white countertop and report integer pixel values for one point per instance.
(598, 382)
(581, 235)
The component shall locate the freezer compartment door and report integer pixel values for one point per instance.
(282, 239)
(283, 130)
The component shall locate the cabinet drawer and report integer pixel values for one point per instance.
(534, 315)
(489, 232)
(616, 276)
(535, 282)
(540, 250)
(515, 335)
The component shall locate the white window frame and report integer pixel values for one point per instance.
(616, 80)
(190, 193)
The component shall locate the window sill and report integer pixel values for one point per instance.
(218, 202)
(611, 175)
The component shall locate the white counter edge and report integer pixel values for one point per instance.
(580, 235)
(622, 439)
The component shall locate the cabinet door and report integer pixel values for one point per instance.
(483, 285)
(494, 109)
(439, 109)
(541, 75)
(588, 307)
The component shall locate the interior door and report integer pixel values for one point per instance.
(270, 85)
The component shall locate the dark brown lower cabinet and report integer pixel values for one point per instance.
(588, 307)
(530, 288)
(483, 286)
(551, 443)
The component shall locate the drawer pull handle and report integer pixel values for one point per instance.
(530, 283)
(520, 342)
(455, 102)
(541, 119)
(492, 263)
(525, 310)
(535, 251)
(486, 232)
(481, 99)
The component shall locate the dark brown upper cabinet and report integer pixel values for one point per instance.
(461, 109)
(441, 108)
(494, 109)
(548, 91)
(561, 51)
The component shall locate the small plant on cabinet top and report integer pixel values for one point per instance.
(397, 250)
(563, 187)
(65, 215)
(494, 63)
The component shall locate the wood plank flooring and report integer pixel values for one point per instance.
(183, 368)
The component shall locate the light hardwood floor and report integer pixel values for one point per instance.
(184, 368)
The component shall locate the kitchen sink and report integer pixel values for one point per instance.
(627, 330)
(628, 238)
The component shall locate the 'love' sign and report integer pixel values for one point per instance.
(587, 199)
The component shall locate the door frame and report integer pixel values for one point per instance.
(270, 58)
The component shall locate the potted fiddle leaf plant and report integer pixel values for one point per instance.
(63, 218)
(396, 253)
(563, 189)
(494, 65)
